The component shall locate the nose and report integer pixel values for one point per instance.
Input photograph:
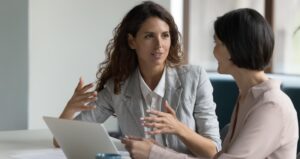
(158, 42)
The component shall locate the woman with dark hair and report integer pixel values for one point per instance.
(264, 122)
(142, 70)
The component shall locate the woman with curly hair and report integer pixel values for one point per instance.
(142, 70)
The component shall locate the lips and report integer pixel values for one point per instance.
(157, 54)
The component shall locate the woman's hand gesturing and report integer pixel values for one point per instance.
(163, 122)
(79, 100)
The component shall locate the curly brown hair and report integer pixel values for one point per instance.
(121, 60)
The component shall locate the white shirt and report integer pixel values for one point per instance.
(153, 99)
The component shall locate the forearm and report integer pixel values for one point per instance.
(67, 114)
(158, 152)
(199, 145)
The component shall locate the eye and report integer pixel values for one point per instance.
(147, 36)
(166, 35)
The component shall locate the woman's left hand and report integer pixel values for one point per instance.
(163, 122)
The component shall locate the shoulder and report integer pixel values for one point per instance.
(275, 97)
(109, 87)
(128, 85)
(274, 101)
(189, 70)
(276, 106)
(190, 76)
(269, 93)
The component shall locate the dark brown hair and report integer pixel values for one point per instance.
(247, 36)
(121, 60)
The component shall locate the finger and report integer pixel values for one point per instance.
(154, 132)
(152, 119)
(87, 87)
(86, 96)
(86, 101)
(125, 140)
(169, 109)
(154, 125)
(128, 147)
(82, 101)
(150, 140)
(127, 144)
(135, 138)
(79, 85)
(157, 113)
(159, 131)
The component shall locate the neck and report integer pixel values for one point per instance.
(246, 79)
(151, 76)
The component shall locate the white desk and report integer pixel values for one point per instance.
(15, 141)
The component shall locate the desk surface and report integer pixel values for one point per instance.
(14, 141)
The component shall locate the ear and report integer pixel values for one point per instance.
(131, 41)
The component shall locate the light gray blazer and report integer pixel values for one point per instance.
(188, 91)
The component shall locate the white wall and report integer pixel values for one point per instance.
(286, 20)
(203, 13)
(176, 9)
(67, 39)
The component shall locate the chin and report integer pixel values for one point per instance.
(159, 62)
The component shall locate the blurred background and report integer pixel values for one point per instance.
(46, 45)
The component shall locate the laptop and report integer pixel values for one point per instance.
(83, 140)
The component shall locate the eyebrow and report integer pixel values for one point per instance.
(149, 32)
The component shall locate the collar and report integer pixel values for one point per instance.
(259, 89)
(159, 89)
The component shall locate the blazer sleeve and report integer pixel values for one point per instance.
(103, 109)
(204, 110)
(260, 135)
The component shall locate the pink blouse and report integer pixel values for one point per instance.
(266, 128)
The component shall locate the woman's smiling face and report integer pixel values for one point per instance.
(222, 55)
(152, 43)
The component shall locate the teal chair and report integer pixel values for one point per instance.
(294, 94)
(225, 94)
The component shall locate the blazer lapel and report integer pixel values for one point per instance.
(133, 101)
(173, 88)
